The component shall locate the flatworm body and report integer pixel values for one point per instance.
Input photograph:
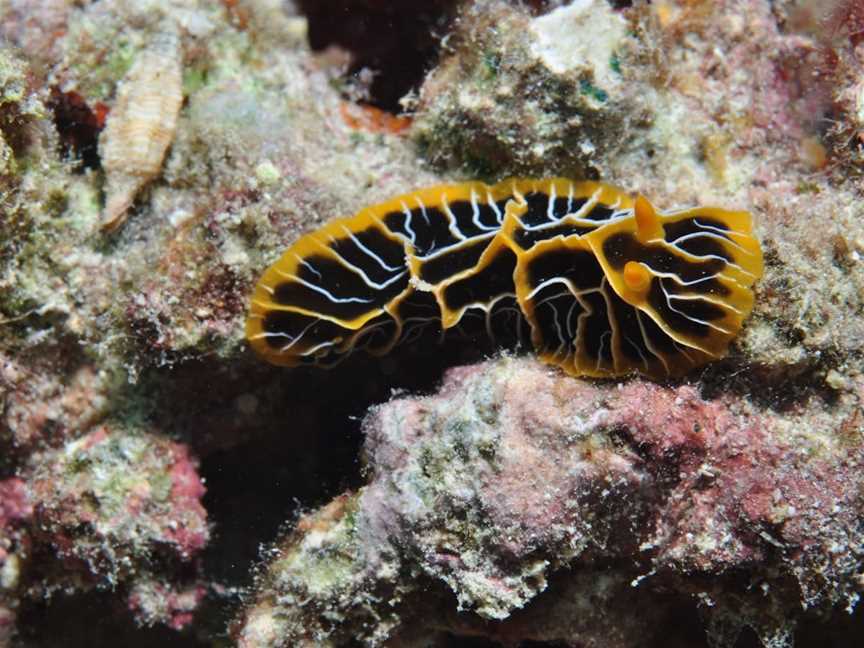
(605, 284)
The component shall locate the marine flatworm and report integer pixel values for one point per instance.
(606, 284)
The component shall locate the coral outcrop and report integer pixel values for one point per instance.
(513, 480)
(518, 95)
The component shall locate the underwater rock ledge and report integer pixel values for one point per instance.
(512, 476)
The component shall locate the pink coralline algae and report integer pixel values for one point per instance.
(15, 512)
(186, 493)
(94, 504)
(153, 601)
(132, 494)
(114, 509)
(15, 506)
(43, 404)
(514, 479)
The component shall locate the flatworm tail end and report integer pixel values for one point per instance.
(328, 294)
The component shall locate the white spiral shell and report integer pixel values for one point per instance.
(141, 125)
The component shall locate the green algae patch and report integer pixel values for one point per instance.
(588, 88)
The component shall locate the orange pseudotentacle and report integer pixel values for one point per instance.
(647, 223)
(636, 276)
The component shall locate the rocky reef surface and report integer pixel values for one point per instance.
(519, 490)
(158, 483)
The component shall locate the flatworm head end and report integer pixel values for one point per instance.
(690, 271)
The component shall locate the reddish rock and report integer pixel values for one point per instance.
(513, 477)
(15, 505)
(158, 602)
(109, 501)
